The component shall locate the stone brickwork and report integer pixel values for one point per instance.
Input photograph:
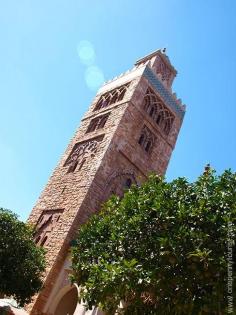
(106, 155)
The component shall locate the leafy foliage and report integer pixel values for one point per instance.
(21, 261)
(162, 249)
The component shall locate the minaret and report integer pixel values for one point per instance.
(129, 131)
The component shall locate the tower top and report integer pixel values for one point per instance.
(160, 63)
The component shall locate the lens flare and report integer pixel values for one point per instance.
(94, 77)
(86, 52)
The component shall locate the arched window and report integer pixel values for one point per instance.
(147, 101)
(146, 139)
(72, 167)
(106, 101)
(156, 109)
(168, 122)
(160, 117)
(167, 126)
(102, 121)
(82, 164)
(45, 225)
(100, 103)
(141, 139)
(152, 111)
(128, 183)
(97, 123)
(93, 125)
(44, 240)
(122, 93)
(37, 239)
(112, 96)
(148, 146)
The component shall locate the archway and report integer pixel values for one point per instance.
(119, 182)
(67, 303)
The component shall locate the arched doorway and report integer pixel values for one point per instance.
(67, 303)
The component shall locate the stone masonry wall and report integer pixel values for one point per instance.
(75, 193)
(117, 159)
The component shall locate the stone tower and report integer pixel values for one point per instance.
(129, 131)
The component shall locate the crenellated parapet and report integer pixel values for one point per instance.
(157, 69)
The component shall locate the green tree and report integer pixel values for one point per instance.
(21, 261)
(162, 249)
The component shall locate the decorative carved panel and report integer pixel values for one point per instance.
(45, 225)
(81, 152)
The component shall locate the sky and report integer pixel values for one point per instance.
(55, 54)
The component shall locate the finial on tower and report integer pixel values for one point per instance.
(163, 50)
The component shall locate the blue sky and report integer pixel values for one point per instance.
(45, 86)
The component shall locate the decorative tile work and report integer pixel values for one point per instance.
(164, 93)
